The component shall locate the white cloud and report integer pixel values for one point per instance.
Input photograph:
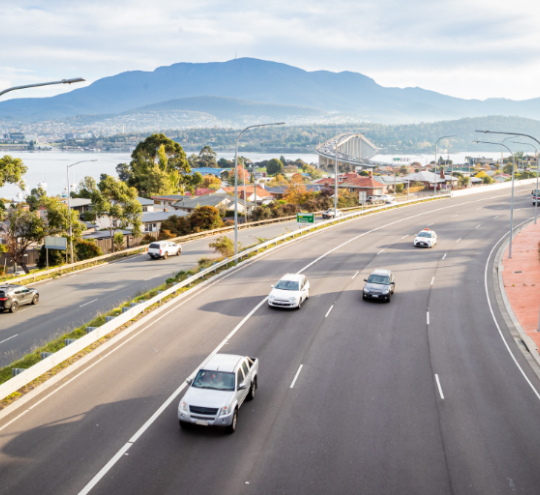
(470, 49)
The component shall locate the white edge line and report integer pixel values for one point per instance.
(381, 251)
(439, 385)
(5, 340)
(427, 317)
(296, 376)
(352, 277)
(329, 311)
(497, 323)
(89, 302)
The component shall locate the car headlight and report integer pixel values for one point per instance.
(183, 406)
(367, 290)
(224, 411)
(386, 291)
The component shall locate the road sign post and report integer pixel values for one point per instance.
(303, 218)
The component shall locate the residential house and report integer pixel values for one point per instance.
(218, 200)
(431, 180)
(252, 192)
(147, 204)
(151, 221)
(280, 191)
(369, 185)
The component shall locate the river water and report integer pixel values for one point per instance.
(50, 166)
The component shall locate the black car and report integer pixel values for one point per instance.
(380, 285)
(12, 296)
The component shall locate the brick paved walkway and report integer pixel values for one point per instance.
(521, 277)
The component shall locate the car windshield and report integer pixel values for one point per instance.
(215, 380)
(287, 285)
(379, 279)
(425, 234)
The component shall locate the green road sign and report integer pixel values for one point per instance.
(305, 217)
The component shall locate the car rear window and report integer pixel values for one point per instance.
(154, 246)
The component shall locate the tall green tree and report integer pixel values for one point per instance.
(274, 167)
(11, 171)
(208, 156)
(116, 201)
(34, 198)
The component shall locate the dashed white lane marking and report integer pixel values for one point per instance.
(329, 311)
(444, 256)
(381, 251)
(432, 280)
(155, 276)
(496, 217)
(86, 304)
(439, 385)
(478, 209)
(430, 224)
(427, 317)
(459, 239)
(478, 225)
(406, 236)
(355, 274)
(5, 340)
(296, 376)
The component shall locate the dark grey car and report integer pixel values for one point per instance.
(380, 285)
(12, 296)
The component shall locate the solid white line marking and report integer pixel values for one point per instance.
(381, 251)
(444, 256)
(86, 304)
(146, 279)
(432, 280)
(495, 319)
(439, 385)
(329, 310)
(427, 317)
(5, 340)
(296, 376)
(406, 236)
(478, 225)
(459, 239)
(352, 277)
(496, 217)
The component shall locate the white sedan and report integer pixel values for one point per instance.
(290, 292)
(425, 238)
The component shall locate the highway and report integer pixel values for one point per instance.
(70, 301)
(419, 396)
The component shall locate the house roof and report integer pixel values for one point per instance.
(426, 176)
(207, 200)
(309, 188)
(261, 191)
(362, 183)
(145, 201)
(169, 197)
(105, 234)
(159, 216)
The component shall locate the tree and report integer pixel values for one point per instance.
(403, 170)
(189, 182)
(277, 181)
(243, 176)
(205, 218)
(224, 246)
(86, 249)
(118, 202)
(173, 150)
(22, 228)
(296, 193)
(123, 171)
(312, 171)
(34, 198)
(86, 187)
(11, 171)
(208, 157)
(274, 166)
(211, 182)
(118, 241)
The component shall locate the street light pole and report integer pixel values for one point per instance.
(236, 180)
(435, 168)
(537, 153)
(69, 205)
(512, 201)
(63, 81)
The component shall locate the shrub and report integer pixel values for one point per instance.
(118, 241)
(147, 239)
(86, 249)
(57, 257)
(224, 246)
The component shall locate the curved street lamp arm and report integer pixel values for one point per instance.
(63, 81)
(510, 134)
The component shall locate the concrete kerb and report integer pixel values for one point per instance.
(38, 369)
(529, 343)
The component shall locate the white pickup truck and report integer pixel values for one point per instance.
(218, 390)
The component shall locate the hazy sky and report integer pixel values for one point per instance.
(464, 48)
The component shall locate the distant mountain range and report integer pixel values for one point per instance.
(256, 87)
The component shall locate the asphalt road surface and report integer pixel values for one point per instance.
(419, 396)
(70, 301)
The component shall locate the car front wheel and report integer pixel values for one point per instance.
(232, 427)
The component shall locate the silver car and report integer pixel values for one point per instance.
(218, 390)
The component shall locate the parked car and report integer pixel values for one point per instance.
(379, 285)
(12, 296)
(375, 200)
(535, 196)
(218, 391)
(290, 292)
(425, 238)
(163, 249)
(330, 213)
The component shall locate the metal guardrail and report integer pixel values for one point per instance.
(30, 374)
(143, 249)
